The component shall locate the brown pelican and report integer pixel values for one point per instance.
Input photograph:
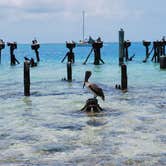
(94, 89)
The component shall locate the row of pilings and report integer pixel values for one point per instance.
(158, 49)
(13, 46)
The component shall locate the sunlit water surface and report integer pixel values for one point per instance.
(48, 127)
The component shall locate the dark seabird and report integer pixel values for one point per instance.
(27, 59)
(94, 89)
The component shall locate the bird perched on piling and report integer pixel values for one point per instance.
(94, 89)
(27, 59)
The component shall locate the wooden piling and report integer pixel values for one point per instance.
(97, 54)
(0, 56)
(164, 44)
(70, 54)
(121, 46)
(13, 59)
(2, 46)
(88, 56)
(123, 77)
(162, 62)
(37, 55)
(35, 46)
(69, 71)
(26, 78)
(92, 106)
(126, 45)
(147, 44)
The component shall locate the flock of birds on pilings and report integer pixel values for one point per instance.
(158, 50)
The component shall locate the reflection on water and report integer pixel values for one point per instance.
(48, 127)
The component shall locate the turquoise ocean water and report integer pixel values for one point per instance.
(48, 128)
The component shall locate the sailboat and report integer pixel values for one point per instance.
(84, 42)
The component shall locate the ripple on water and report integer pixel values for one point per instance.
(54, 148)
(55, 126)
(161, 139)
(96, 122)
(27, 138)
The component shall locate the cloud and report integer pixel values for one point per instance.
(65, 8)
(109, 9)
(65, 16)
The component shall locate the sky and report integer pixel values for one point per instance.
(61, 20)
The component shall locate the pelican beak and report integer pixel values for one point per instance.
(84, 84)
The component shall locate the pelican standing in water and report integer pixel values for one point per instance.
(94, 89)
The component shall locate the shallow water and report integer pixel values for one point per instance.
(48, 127)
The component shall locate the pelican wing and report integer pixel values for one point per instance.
(97, 90)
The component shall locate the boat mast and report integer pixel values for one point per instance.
(83, 25)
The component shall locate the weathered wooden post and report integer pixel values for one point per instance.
(26, 78)
(146, 44)
(70, 54)
(155, 51)
(121, 46)
(162, 47)
(35, 46)
(92, 105)
(126, 45)
(164, 44)
(88, 56)
(97, 45)
(163, 62)
(159, 50)
(2, 46)
(123, 77)
(13, 46)
(69, 71)
(33, 63)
